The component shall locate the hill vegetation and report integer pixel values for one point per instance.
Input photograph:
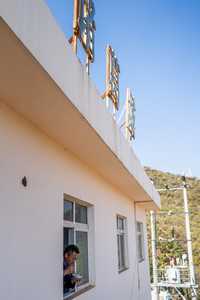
(172, 226)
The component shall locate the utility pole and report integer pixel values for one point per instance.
(188, 238)
(154, 254)
(192, 282)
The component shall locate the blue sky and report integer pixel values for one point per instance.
(158, 46)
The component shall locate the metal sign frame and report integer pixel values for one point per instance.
(130, 115)
(84, 28)
(112, 77)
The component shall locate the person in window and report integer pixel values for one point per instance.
(71, 254)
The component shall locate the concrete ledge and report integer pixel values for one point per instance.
(42, 79)
(79, 292)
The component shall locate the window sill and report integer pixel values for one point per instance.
(123, 270)
(79, 292)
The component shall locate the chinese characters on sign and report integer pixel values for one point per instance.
(84, 31)
(87, 27)
(112, 77)
(130, 115)
(84, 27)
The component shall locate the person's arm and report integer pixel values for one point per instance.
(69, 270)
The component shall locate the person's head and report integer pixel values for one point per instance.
(172, 261)
(71, 253)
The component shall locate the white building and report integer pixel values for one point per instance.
(59, 147)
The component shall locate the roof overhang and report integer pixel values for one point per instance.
(42, 79)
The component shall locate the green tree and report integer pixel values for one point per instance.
(172, 226)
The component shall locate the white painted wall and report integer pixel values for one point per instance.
(31, 219)
(143, 267)
(36, 28)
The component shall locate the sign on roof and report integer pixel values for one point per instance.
(112, 77)
(84, 27)
(87, 27)
(130, 115)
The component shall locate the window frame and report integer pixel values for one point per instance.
(140, 237)
(122, 232)
(89, 228)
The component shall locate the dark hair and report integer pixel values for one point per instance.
(71, 249)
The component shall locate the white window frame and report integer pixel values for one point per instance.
(140, 238)
(123, 232)
(89, 228)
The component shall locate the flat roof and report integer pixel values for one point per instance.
(42, 79)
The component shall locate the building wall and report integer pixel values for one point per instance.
(143, 267)
(31, 219)
(38, 62)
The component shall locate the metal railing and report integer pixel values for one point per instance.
(177, 276)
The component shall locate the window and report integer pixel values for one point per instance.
(140, 241)
(77, 230)
(122, 243)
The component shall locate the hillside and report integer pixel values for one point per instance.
(173, 226)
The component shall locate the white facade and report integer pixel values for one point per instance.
(31, 219)
(50, 133)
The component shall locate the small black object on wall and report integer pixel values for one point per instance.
(24, 181)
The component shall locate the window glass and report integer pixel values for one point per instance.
(139, 227)
(140, 247)
(120, 223)
(76, 232)
(140, 241)
(121, 251)
(68, 236)
(68, 210)
(82, 262)
(81, 214)
(122, 243)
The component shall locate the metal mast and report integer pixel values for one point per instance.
(188, 238)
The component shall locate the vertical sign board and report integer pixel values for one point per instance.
(130, 115)
(84, 27)
(112, 78)
(87, 27)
